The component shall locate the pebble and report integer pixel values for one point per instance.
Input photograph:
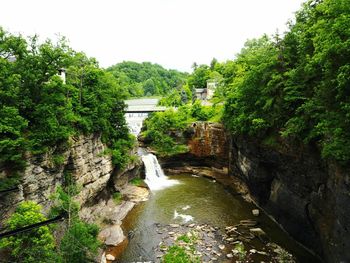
(229, 256)
(255, 212)
(174, 225)
(222, 247)
(235, 251)
(257, 231)
(110, 257)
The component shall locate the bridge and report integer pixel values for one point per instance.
(144, 109)
(143, 106)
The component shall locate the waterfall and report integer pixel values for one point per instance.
(134, 122)
(155, 178)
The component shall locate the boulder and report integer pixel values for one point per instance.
(112, 236)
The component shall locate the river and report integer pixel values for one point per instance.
(203, 200)
(187, 199)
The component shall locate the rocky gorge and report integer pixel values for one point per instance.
(91, 169)
(303, 193)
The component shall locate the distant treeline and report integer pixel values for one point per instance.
(146, 79)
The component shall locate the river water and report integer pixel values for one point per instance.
(189, 199)
(185, 199)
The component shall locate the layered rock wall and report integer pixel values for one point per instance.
(308, 196)
(305, 194)
(85, 161)
(209, 140)
(208, 146)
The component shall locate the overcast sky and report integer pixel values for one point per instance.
(173, 33)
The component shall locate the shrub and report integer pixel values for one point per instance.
(34, 246)
(117, 198)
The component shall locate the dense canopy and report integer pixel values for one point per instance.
(38, 110)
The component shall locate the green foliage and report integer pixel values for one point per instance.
(39, 112)
(242, 253)
(176, 254)
(198, 79)
(296, 86)
(79, 244)
(36, 245)
(137, 182)
(164, 130)
(12, 141)
(182, 252)
(58, 159)
(117, 198)
(120, 151)
(177, 97)
(184, 238)
(159, 126)
(9, 182)
(146, 79)
(63, 202)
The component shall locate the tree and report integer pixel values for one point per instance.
(146, 79)
(198, 79)
(79, 244)
(296, 86)
(36, 245)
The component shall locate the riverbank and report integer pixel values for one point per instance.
(198, 204)
(109, 215)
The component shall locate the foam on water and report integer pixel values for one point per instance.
(155, 178)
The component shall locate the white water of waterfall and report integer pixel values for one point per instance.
(155, 178)
(134, 122)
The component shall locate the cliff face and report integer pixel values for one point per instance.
(209, 140)
(84, 160)
(306, 195)
(208, 146)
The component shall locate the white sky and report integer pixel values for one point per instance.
(173, 33)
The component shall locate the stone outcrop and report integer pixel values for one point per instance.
(85, 160)
(308, 196)
(209, 140)
(112, 236)
(208, 146)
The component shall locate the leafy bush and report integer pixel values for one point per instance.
(120, 151)
(79, 243)
(164, 130)
(176, 254)
(137, 182)
(179, 253)
(117, 198)
(9, 181)
(36, 245)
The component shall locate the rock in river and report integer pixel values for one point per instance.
(112, 236)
